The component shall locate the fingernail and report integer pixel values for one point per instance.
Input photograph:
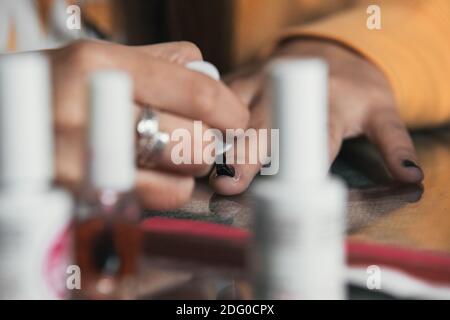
(410, 164)
(225, 170)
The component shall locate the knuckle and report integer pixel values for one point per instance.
(386, 119)
(190, 49)
(82, 53)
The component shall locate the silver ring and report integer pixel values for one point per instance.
(150, 142)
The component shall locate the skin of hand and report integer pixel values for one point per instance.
(161, 80)
(361, 103)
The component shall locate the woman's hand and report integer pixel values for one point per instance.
(179, 95)
(361, 103)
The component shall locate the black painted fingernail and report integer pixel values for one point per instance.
(410, 164)
(225, 170)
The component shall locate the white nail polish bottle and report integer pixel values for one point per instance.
(107, 233)
(300, 222)
(35, 246)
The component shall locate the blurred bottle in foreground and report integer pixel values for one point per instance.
(299, 223)
(35, 216)
(107, 236)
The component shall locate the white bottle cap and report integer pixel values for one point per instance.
(300, 100)
(111, 134)
(204, 67)
(26, 126)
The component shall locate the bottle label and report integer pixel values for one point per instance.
(56, 263)
(300, 253)
(35, 247)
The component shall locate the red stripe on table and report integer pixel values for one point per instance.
(194, 228)
(427, 265)
(219, 243)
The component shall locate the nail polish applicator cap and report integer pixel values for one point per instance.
(26, 126)
(299, 89)
(111, 134)
(204, 67)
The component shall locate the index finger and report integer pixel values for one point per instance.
(189, 94)
(162, 84)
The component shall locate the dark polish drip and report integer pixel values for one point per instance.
(224, 169)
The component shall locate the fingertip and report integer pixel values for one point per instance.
(390, 135)
(415, 172)
(225, 183)
(407, 171)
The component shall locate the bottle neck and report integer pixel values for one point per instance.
(26, 186)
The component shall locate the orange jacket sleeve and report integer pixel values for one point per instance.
(412, 48)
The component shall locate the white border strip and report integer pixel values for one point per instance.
(399, 284)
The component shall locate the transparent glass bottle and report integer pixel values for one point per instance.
(107, 235)
(107, 244)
